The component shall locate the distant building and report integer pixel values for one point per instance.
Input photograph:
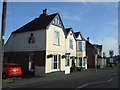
(90, 48)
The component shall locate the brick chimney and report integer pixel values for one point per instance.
(44, 13)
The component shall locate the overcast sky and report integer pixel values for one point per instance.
(98, 21)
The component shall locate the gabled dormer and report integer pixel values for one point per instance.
(57, 21)
(78, 36)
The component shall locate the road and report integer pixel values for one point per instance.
(78, 79)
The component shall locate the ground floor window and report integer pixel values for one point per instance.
(31, 62)
(56, 62)
(82, 61)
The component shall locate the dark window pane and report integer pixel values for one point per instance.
(14, 65)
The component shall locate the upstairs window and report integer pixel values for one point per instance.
(56, 38)
(71, 44)
(81, 46)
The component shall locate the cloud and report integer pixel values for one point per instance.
(114, 22)
(67, 15)
(109, 43)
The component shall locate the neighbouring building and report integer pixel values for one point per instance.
(80, 51)
(90, 49)
(70, 48)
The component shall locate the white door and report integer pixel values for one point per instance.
(56, 63)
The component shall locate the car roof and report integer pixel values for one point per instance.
(11, 63)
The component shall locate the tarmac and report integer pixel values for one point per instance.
(49, 77)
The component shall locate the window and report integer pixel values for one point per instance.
(14, 66)
(57, 21)
(56, 62)
(79, 46)
(71, 44)
(83, 46)
(31, 64)
(56, 38)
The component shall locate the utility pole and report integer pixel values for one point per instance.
(2, 39)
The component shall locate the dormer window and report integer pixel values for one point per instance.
(57, 21)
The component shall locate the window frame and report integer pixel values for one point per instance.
(71, 43)
(58, 39)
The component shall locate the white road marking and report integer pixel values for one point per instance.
(83, 86)
(96, 83)
(115, 73)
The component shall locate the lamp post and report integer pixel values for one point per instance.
(2, 39)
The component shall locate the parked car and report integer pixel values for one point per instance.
(11, 69)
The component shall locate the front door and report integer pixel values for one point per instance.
(31, 62)
(80, 61)
(56, 63)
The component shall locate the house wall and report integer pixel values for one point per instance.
(17, 49)
(22, 58)
(68, 50)
(19, 42)
(49, 61)
(91, 58)
(54, 49)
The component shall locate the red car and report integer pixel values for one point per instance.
(11, 69)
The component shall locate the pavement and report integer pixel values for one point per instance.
(56, 77)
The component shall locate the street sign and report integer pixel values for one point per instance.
(95, 52)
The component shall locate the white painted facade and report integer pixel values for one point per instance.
(19, 42)
(72, 52)
(81, 53)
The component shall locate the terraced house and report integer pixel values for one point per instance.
(80, 51)
(42, 45)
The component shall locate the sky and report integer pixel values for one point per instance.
(96, 20)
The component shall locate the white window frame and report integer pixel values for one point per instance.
(58, 63)
(30, 62)
(79, 46)
(82, 46)
(58, 39)
(70, 43)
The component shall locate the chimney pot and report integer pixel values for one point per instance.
(45, 11)
(88, 39)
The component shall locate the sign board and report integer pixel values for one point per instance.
(95, 52)
(67, 70)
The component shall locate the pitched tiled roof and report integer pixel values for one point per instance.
(36, 24)
(68, 30)
(76, 34)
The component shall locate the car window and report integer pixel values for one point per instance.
(14, 66)
(4, 65)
